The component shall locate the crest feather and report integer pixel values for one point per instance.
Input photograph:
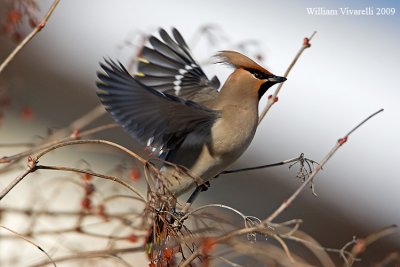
(238, 60)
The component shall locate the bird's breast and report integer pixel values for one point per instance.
(233, 132)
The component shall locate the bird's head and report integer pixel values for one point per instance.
(248, 75)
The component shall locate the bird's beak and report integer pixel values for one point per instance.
(276, 79)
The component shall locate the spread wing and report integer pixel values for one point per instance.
(157, 119)
(170, 67)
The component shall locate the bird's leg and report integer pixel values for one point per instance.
(177, 215)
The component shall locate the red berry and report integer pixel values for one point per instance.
(87, 177)
(7, 28)
(86, 203)
(26, 113)
(5, 102)
(132, 238)
(102, 211)
(89, 189)
(207, 245)
(14, 16)
(152, 264)
(167, 253)
(135, 174)
(17, 37)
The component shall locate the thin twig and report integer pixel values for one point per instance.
(17, 145)
(272, 99)
(31, 242)
(285, 247)
(393, 257)
(227, 236)
(63, 213)
(343, 252)
(112, 178)
(318, 250)
(14, 182)
(26, 40)
(361, 244)
(93, 254)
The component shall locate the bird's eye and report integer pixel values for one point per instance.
(258, 75)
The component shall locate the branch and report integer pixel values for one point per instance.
(272, 99)
(107, 177)
(50, 260)
(361, 244)
(37, 29)
(14, 182)
(32, 161)
(338, 144)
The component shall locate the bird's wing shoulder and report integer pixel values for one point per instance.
(168, 66)
(157, 119)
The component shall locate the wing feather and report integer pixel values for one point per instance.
(155, 118)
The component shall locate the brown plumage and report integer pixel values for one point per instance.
(238, 60)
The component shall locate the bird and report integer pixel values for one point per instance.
(173, 108)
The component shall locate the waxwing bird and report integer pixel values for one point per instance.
(172, 107)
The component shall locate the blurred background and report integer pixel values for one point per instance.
(350, 71)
